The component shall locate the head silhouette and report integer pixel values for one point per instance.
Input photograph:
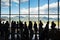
(47, 22)
(7, 22)
(3, 23)
(25, 25)
(53, 25)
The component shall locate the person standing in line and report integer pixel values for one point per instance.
(40, 30)
(6, 30)
(35, 29)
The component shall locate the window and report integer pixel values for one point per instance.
(24, 7)
(53, 18)
(44, 19)
(4, 6)
(14, 17)
(43, 6)
(34, 7)
(31, 10)
(14, 7)
(4, 18)
(53, 9)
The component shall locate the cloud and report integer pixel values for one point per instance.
(52, 5)
(32, 10)
(16, 1)
(5, 3)
(24, 0)
(53, 16)
(24, 11)
(53, 8)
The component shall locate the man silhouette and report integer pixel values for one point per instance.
(21, 29)
(53, 25)
(13, 27)
(46, 30)
(1, 30)
(30, 25)
(40, 30)
(0, 27)
(53, 31)
(35, 29)
(40, 26)
(17, 27)
(26, 32)
(30, 30)
(6, 30)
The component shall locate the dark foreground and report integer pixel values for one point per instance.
(20, 31)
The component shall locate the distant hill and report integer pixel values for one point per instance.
(16, 18)
(2, 19)
(5, 18)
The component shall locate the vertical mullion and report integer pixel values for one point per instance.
(29, 10)
(19, 10)
(58, 14)
(48, 20)
(10, 13)
(48, 10)
(0, 11)
(38, 12)
(38, 9)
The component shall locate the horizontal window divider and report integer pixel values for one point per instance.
(28, 14)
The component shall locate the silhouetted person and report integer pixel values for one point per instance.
(40, 26)
(21, 29)
(2, 31)
(17, 27)
(26, 32)
(21, 25)
(53, 31)
(6, 30)
(40, 30)
(46, 30)
(0, 28)
(30, 30)
(35, 29)
(31, 34)
(53, 25)
(13, 27)
(30, 25)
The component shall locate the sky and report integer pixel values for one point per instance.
(24, 7)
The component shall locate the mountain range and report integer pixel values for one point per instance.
(16, 18)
